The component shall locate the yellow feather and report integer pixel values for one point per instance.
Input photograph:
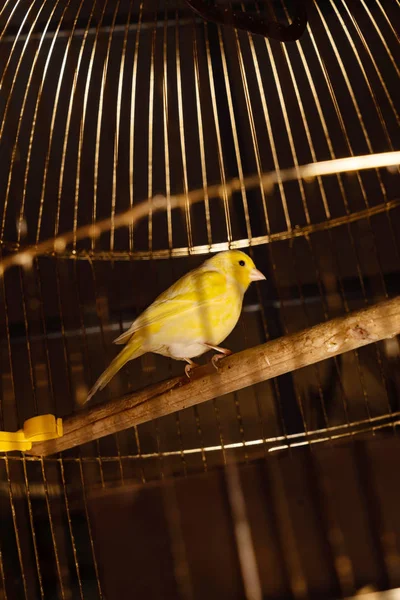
(132, 350)
(192, 292)
(198, 311)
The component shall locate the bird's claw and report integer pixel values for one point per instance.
(217, 357)
(189, 368)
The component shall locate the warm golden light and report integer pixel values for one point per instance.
(159, 203)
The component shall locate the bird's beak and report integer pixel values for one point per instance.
(256, 275)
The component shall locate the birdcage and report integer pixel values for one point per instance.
(137, 140)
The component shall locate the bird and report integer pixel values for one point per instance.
(191, 317)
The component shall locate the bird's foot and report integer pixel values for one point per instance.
(189, 368)
(222, 352)
(217, 357)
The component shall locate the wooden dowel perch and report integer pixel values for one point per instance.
(235, 372)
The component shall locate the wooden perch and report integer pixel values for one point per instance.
(235, 372)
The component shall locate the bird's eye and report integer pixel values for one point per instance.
(241, 263)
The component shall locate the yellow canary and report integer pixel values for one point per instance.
(190, 318)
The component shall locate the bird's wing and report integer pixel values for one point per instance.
(192, 291)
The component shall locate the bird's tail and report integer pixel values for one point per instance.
(131, 350)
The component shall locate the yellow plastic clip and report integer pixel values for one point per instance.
(37, 429)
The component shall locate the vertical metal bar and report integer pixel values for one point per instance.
(86, 354)
(3, 589)
(378, 2)
(33, 532)
(200, 435)
(28, 343)
(34, 395)
(221, 161)
(79, 461)
(96, 569)
(61, 464)
(150, 135)
(11, 90)
(15, 524)
(362, 69)
(132, 119)
(12, 506)
(71, 533)
(52, 531)
(256, 394)
(373, 61)
(166, 131)
(85, 345)
(315, 367)
(51, 389)
(10, 55)
(98, 132)
(104, 345)
(381, 37)
(201, 134)
(118, 123)
(235, 135)
(139, 451)
(221, 437)
(82, 125)
(4, 8)
(182, 133)
(53, 119)
(21, 114)
(161, 461)
(131, 174)
(179, 434)
(239, 420)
